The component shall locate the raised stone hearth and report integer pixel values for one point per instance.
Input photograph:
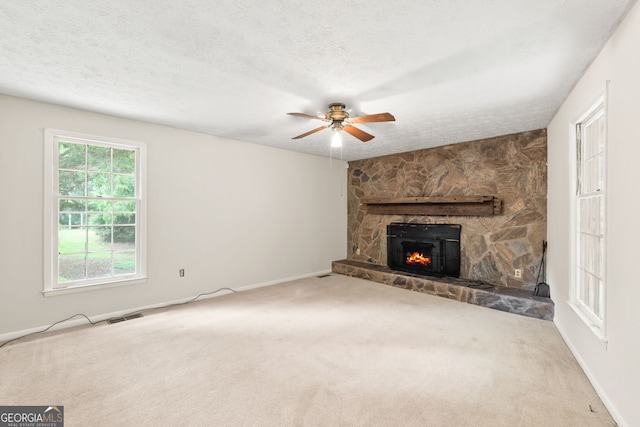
(512, 300)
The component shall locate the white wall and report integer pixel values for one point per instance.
(231, 214)
(613, 367)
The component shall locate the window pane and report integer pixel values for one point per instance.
(71, 156)
(99, 265)
(128, 218)
(583, 285)
(71, 205)
(596, 296)
(583, 223)
(71, 183)
(600, 260)
(596, 225)
(72, 240)
(587, 151)
(99, 185)
(124, 263)
(99, 239)
(582, 253)
(600, 304)
(124, 161)
(99, 218)
(71, 219)
(124, 206)
(124, 238)
(601, 135)
(592, 173)
(124, 186)
(591, 219)
(98, 159)
(589, 291)
(71, 267)
(99, 206)
(600, 167)
(592, 242)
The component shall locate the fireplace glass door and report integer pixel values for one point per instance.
(426, 249)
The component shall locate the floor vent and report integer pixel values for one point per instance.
(124, 318)
(323, 276)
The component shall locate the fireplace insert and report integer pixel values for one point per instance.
(426, 249)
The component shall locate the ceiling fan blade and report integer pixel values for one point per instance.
(380, 117)
(308, 116)
(360, 134)
(310, 132)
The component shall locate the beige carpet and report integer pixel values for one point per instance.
(333, 351)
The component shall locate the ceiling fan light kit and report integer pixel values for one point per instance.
(336, 139)
(338, 120)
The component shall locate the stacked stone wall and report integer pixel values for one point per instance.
(512, 168)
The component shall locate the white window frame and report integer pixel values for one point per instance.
(584, 307)
(52, 137)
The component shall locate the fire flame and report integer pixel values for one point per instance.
(416, 258)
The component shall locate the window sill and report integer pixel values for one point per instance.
(598, 331)
(92, 287)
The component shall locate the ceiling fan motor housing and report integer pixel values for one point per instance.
(337, 112)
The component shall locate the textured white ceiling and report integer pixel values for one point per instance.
(450, 71)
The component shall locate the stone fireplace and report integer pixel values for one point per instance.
(511, 168)
(425, 249)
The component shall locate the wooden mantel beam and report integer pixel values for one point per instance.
(450, 205)
(426, 200)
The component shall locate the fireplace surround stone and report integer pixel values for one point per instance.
(512, 168)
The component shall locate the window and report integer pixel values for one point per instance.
(590, 208)
(94, 210)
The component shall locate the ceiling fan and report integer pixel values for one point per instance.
(338, 119)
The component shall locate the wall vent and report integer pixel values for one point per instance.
(124, 318)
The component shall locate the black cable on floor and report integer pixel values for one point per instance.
(168, 305)
(49, 327)
(106, 320)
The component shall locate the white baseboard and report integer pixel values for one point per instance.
(80, 320)
(276, 282)
(620, 421)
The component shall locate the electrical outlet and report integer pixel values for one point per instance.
(181, 272)
(518, 272)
